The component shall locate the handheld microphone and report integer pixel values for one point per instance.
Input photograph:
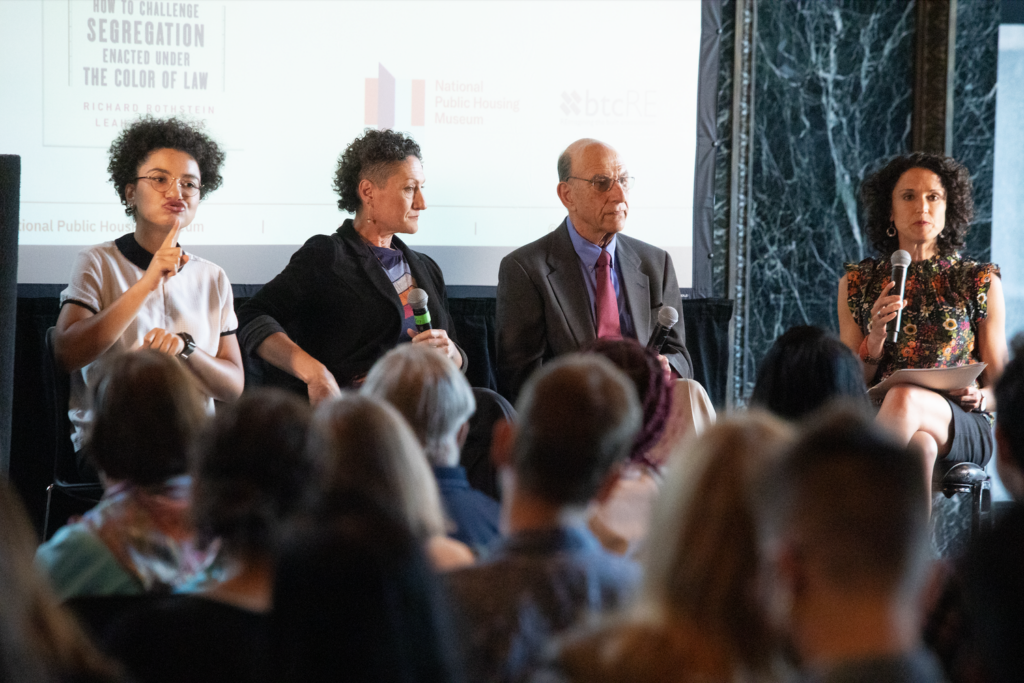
(900, 261)
(667, 318)
(421, 316)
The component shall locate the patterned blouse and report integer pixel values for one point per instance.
(946, 297)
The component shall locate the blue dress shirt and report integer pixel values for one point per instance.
(588, 253)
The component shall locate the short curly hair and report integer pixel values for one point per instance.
(876, 193)
(132, 147)
(370, 156)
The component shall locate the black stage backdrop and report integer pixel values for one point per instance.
(707, 323)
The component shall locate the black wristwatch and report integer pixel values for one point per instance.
(190, 345)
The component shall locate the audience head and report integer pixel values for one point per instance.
(361, 444)
(991, 575)
(39, 641)
(431, 394)
(355, 599)
(847, 520)
(373, 156)
(147, 411)
(250, 471)
(876, 193)
(578, 418)
(653, 387)
(130, 150)
(703, 551)
(698, 616)
(803, 370)
(1010, 421)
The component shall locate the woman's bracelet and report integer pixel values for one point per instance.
(868, 359)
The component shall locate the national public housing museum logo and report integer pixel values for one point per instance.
(382, 99)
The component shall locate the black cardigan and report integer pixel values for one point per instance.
(336, 302)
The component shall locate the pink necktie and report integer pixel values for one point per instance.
(605, 304)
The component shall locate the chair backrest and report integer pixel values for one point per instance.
(476, 452)
(58, 392)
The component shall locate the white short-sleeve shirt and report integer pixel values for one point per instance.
(197, 300)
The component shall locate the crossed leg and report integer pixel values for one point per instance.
(920, 418)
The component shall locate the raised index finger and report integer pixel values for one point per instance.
(172, 237)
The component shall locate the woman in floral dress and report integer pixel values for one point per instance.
(953, 308)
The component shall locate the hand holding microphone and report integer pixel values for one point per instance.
(425, 332)
(886, 312)
(900, 263)
(667, 318)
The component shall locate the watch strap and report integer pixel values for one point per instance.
(190, 345)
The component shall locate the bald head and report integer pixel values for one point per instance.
(597, 214)
(572, 152)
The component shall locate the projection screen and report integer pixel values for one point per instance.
(492, 91)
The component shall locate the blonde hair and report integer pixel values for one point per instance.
(698, 613)
(703, 561)
(361, 444)
(39, 639)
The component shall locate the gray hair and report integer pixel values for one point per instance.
(564, 166)
(430, 392)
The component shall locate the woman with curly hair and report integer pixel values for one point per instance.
(342, 301)
(142, 289)
(953, 309)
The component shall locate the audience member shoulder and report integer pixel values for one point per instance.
(642, 653)
(78, 563)
(447, 554)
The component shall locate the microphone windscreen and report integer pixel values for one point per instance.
(900, 257)
(668, 316)
(418, 298)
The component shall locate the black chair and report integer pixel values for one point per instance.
(66, 476)
(961, 507)
(476, 452)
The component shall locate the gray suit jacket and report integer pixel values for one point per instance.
(544, 310)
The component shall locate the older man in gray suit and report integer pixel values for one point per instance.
(554, 294)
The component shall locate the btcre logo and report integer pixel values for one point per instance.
(383, 95)
(571, 103)
(630, 104)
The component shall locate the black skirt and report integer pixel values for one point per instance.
(973, 440)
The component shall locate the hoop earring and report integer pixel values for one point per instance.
(891, 231)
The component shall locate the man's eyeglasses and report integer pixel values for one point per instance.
(603, 183)
(162, 183)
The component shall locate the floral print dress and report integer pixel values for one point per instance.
(946, 297)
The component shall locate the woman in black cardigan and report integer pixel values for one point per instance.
(341, 302)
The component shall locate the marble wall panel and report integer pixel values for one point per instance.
(834, 94)
(974, 110)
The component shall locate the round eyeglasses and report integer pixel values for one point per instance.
(162, 183)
